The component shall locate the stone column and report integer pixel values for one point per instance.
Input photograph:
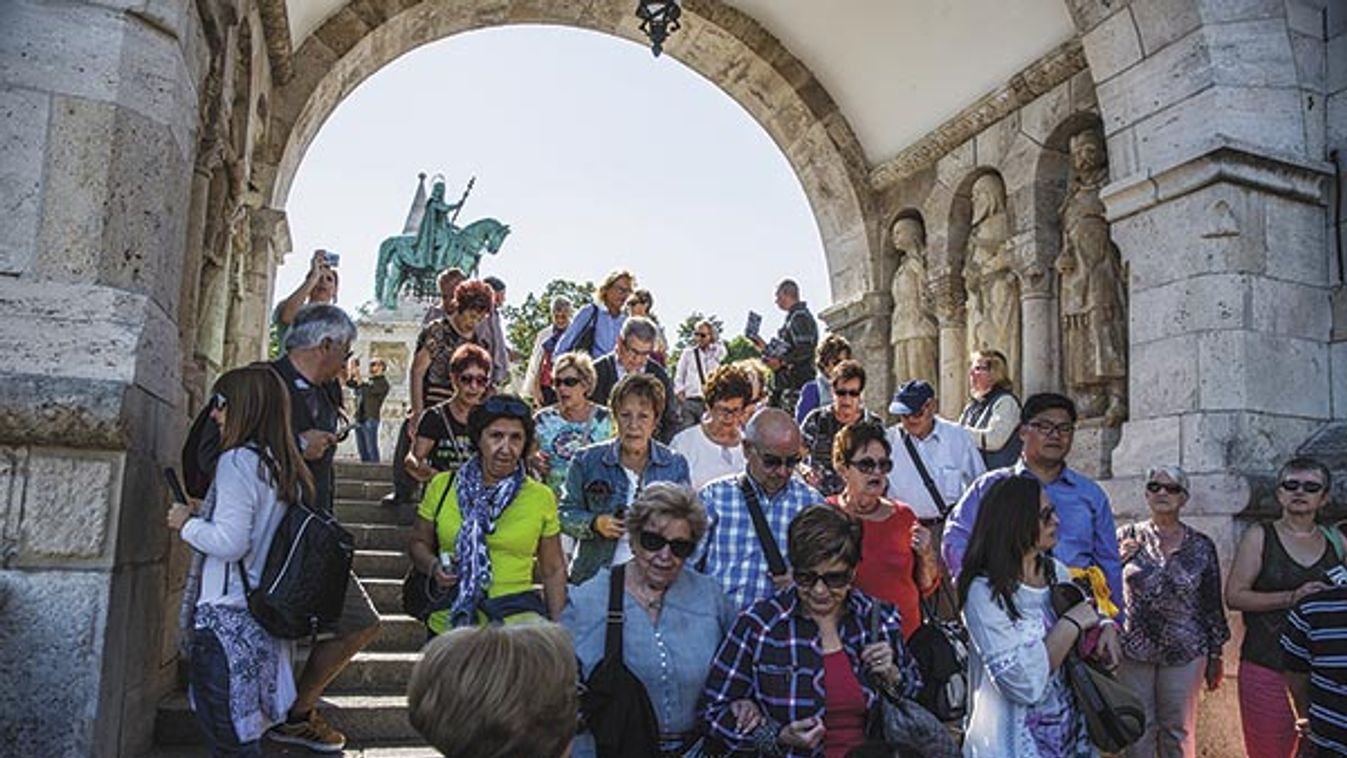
(948, 294)
(1038, 316)
(250, 315)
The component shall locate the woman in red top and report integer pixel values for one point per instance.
(898, 562)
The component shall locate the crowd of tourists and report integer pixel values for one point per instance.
(741, 557)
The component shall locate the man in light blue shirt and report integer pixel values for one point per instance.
(596, 327)
(1086, 535)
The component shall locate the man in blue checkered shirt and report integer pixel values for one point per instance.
(731, 552)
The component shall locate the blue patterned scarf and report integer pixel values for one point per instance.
(480, 506)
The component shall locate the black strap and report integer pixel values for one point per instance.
(612, 645)
(776, 566)
(925, 475)
(697, 356)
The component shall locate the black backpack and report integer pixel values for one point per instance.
(303, 583)
(940, 649)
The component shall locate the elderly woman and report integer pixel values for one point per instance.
(572, 423)
(806, 659)
(442, 442)
(606, 478)
(819, 391)
(640, 304)
(898, 562)
(714, 447)
(1276, 564)
(673, 620)
(993, 415)
(1175, 621)
(479, 531)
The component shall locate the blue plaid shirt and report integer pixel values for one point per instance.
(733, 555)
(773, 656)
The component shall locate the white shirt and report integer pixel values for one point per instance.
(706, 459)
(951, 459)
(536, 363)
(686, 380)
(622, 553)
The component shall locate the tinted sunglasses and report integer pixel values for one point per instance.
(846, 393)
(1297, 485)
(655, 542)
(218, 402)
(870, 465)
(477, 380)
(776, 461)
(1155, 487)
(568, 381)
(498, 405)
(1045, 515)
(833, 580)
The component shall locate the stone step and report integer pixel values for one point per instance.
(359, 489)
(364, 719)
(375, 674)
(365, 512)
(378, 536)
(355, 470)
(380, 564)
(386, 594)
(398, 633)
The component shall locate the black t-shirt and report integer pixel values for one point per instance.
(452, 446)
(313, 407)
(440, 339)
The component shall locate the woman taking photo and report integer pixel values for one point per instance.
(993, 415)
(673, 620)
(478, 532)
(240, 676)
(805, 662)
(1175, 621)
(1276, 565)
(607, 477)
(898, 563)
(442, 440)
(1020, 703)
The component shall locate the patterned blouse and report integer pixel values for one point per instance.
(1174, 611)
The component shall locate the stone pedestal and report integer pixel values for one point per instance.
(390, 335)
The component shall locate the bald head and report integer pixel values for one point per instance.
(772, 428)
(772, 445)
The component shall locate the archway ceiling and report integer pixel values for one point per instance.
(896, 68)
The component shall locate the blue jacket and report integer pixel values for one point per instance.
(596, 484)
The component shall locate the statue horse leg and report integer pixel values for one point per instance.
(381, 274)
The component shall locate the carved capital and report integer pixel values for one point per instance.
(947, 297)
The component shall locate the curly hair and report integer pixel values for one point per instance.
(474, 295)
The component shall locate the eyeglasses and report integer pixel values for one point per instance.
(568, 381)
(477, 380)
(499, 405)
(1045, 515)
(775, 461)
(833, 580)
(1048, 429)
(720, 411)
(1155, 487)
(642, 354)
(846, 393)
(870, 465)
(218, 402)
(655, 542)
(1299, 485)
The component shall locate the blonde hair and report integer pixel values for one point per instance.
(578, 361)
(611, 279)
(998, 368)
(496, 692)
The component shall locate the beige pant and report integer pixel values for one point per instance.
(1170, 694)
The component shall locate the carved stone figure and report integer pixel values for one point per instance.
(913, 330)
(1093, 297)
(989, 275)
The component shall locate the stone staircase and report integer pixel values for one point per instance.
(368, 699)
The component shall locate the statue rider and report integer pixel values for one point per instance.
(437, 230)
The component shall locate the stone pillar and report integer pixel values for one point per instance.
(98, 119)
(865, 324)
(250, 314)
(948, 294)
(1038, 316)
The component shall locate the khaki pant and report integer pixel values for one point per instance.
(1170, 695)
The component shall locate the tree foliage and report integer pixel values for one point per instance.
(524, 321)
(740, 348)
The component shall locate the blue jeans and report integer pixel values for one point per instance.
(209, 674)
(367, 440)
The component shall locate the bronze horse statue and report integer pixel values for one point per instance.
(399, 263)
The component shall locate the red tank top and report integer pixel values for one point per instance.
(843, 706)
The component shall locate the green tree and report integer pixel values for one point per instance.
(740, 348)
(523, 322)
(689, 325)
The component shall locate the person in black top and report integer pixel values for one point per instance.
(442, 440)
(369, 403)
(633, 355)
(791, 353)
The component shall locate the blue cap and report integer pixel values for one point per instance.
(910, 397)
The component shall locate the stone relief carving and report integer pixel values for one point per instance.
(913, 331)
(1092, 290)
(989, 274)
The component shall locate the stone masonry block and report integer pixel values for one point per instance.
(1251, 54)
(1040, 118)
(1296, 240)
(1295, 382)
(992, 143)
(51, 631)
(1218, 11)
(1311, 64)
(78, 167)
(954, 166)
(1163, 377)
(24, 115)
(1338, 376)
(1122, 152)
(1232, 440)
(1306, 16)
(1291, 309)
(1113, 46)
(1160, 22)
(67, 48)
(1146, 442)
(1267, 118)
(67, 503)
(1336, 61)
(1217, 229)
(1201, 303)
(1171, 75)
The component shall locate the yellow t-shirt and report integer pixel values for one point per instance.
(512, 547)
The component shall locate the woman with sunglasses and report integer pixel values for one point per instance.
(898, 562)
(1020, 705)
(442, 439)
(606, 478)
(802, 673)
(1175, 619)
(673, 620)
(480, 531)
(1276, 564)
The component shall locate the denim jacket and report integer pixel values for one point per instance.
(596, 484)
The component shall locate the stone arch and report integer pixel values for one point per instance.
(727, 47)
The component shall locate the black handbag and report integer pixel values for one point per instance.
(613, 702)
(940, 649)
(421, 594)
(908, 725)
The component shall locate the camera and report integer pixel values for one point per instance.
(331, 258)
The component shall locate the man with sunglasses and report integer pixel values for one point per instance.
(822, 424)
(1086, 535)
(733, 552)
(695, 366)
(634, 355)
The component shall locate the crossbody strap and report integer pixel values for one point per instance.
(701, 374)
(924, 474)
(775, 564)
(612, 644)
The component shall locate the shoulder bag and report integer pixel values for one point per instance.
(907, 725)
(303, 583)
(421, 595)
(926, 479)
(613, 701)
(940, 649)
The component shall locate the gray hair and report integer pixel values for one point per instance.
(1175, 473)
(318, 322)
(639, 327)
(669, 501)
(560, 303)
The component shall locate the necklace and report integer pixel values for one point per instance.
(649, 603)
(1298, 532)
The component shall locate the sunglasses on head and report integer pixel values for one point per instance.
(1155, 487)
(218, 402)
(1300, 485)
(498, 405)
(777, 461)
(833, 580)
(655, 542)
(568, 381)
(870, 465)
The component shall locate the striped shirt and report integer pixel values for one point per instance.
(1314, 641)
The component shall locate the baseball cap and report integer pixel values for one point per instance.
(911, 397)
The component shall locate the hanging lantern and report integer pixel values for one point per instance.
(659, 19)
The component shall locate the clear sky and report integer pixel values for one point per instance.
(595, 153)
